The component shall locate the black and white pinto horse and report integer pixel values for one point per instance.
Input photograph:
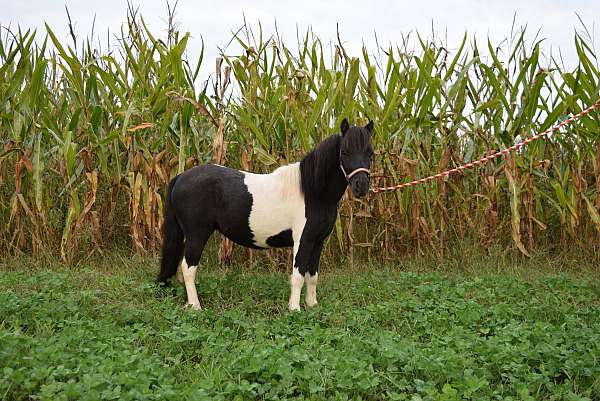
(295, 205)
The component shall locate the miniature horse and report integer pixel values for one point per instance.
(296, 205)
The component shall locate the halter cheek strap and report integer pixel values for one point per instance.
(353, 172)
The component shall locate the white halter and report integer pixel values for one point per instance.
(353, 172)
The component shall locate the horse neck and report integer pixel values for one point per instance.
(322, 166)
(336, 184)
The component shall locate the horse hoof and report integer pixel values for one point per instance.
(193, 306)
(312, 305)
(294, 308)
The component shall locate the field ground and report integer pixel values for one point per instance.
(488, 331)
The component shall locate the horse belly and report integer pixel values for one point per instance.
(258, 220)
(271, 227)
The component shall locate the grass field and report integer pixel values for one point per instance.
(491, 330)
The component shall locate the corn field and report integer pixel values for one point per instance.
(90, 138)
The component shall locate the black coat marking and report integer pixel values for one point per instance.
(281, 240)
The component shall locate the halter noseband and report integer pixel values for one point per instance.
(353, 172)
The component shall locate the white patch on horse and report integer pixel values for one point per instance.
(296, 282)
(277, 202)
(189, 276)
(311, 289)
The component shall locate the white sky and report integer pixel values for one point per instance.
(215, 20)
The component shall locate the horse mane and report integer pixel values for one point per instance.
(318, 166)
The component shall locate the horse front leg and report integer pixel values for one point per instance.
(296, 283)
(302, 249)
(313, 276)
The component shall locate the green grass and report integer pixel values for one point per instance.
(103, 331)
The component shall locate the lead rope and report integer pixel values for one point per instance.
(486, 158)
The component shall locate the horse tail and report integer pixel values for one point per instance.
(173, 240)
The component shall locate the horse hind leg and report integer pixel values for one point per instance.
(194, 245)
(179, 274)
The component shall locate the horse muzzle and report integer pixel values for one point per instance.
(358, 180)
(360, 184)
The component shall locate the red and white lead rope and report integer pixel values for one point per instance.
(492, 156)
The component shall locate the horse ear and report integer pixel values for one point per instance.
(344, 126)
(369, 126)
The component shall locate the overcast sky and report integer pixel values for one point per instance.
(214, 21)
